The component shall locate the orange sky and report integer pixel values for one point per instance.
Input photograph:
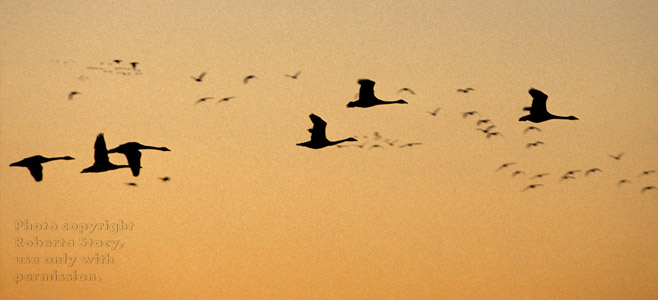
(250, 215)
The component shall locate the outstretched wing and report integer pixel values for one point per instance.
(100, 150)
(134, 161)
(318, 132)
(36, 170)
(538, 101)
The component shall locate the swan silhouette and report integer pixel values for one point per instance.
(33, 164)
(71, 94)
(592, 171)
(540, 175)
(406, 90)
(646, 188)
(466, 90)
(367, 96)
(131, 151)
(249, 77)
(531, 128)
(318, 135)
(617, 157)
(532, 186)
(620, 182)
(483, 121)
(101, 160)
(538, 112)
(469, 113)
(505, 165)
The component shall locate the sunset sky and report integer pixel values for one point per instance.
(248, 214)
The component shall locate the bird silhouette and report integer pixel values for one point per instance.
(198, 79)
(134, 65)
(646, 188)
(566, 177)
(571, 172)
(483, 121)
(406, 90)
(33, 164)
(131, 184)
(620, 182)
(101, 159)
(505, 165)
(517, 172)
(203, 100)
(646, 173)
(538, 112)
(118, 61)
(73, 93)
(490, 134)
(390, 143)
(469, 113)
(466, 90)
(616, 157)
(225, 99)
(133, 155)
(249, 77)
(318, 135)
(164, 179)
(436, 111)
(294, 76)
(540, 175)
(410, 145)
(488, 129)
(592, 171)
(532, 186)
(367, 96)
(535, 144)
(531, 128)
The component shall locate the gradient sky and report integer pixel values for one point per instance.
(250, 215)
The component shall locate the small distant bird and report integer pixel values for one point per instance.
(531, 128)
(390, 143)
(535, 144)
(71, 94)
(294, 76)
(33, 164)
(164, 179)
(376, 146)
(469, 113)
(566, 177)
(410, 145)
(505, 165)
(466, 90)
(592, 171)
(486, 130)
(318, 135)
(406, 90)
(249, 77)
(198, 79)
(571, 172)
(131, 183)
(646, 188)
(617, 157)
(540, 175)
(620, 182)
(436, 111)
(490, 134)
(646, 173)
(538, 112)
(532, 186)
(367, 96)
(225, 99)
(203, 100)
(118, 61)
(483, 121)
(517, 172)
(133, 155)
(134, 65)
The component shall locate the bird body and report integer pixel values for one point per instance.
(132, 153)
(200, 78)
(538, 112)
(294, 76)
(367, 96)
(33, 164)
(318, 135)
(466, 90)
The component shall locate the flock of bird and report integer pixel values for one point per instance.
(366, 98)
